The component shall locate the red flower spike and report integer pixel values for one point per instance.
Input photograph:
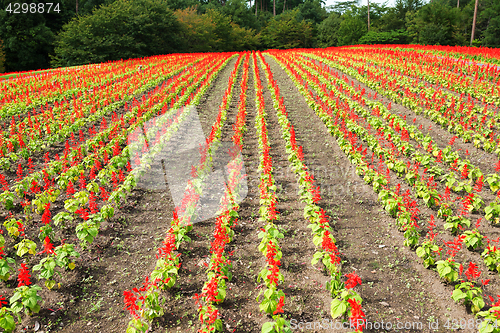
(70, 190)
(48, 247)
(3, 301)
(352, 280)
(279, 307)
(24, 276)
(46, 214)
(472, 272)
(357, 315)
(130, 303)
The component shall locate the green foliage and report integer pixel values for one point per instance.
(197, 31)
(435, 24)
(328, 30)
(385, 37)
(124, 29)
(2, 58)
(491, 15)
(312, 11)
(351, 29)
(285, 31)
(27, 42)
(342, 7)
(240, 14)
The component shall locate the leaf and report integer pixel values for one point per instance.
(50, 284)
(267, 327)
(218, 325)
(420, 252)
(458, 295)
(338, 308)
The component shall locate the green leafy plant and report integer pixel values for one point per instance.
(447, 270)
(26, 298)
(470, 294)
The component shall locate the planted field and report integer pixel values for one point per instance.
(344, 189)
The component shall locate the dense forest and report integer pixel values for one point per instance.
(88, 31)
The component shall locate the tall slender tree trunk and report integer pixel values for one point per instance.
(284, 4)
(473, 23)
(77, 6)
(255, 7)
(274, 7)
(368, 15)
(458, 3)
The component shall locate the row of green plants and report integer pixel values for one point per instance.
(346, 303)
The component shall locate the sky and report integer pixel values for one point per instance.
(390, 3)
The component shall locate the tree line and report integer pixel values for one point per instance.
(89, 31)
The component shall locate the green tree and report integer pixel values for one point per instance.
(240, 14)
(26, 38)
(285, 31)
(124, 29)
(436, 24)
(328, 30)
(182, 4)
(351, 29)
(490, 15)
(342, 7)
(404, 6)
(2, 58)
(312, 11)
(391, 20)
(197, 31)
(385, 37)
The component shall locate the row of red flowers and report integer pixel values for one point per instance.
(346, 300)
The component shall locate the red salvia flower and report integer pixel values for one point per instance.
(121, 176)
(46, 214)
(352, 280)
(472, 271)
(19, 172)
(479, 184)
(465, 171)
(70, 190)
(130, 303)
(92, 173)
(3, 301)
(279, 307)
(92, 203)
(300, 153)
(114, 180)
(3, 181)
(105, 156)
(104, 194)
(116, 149)
(34, 187)
(357, 315)
(84, 214)
(24, 276)
(48, 247)
(31, 166)
(83, 184)
(20, 228)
